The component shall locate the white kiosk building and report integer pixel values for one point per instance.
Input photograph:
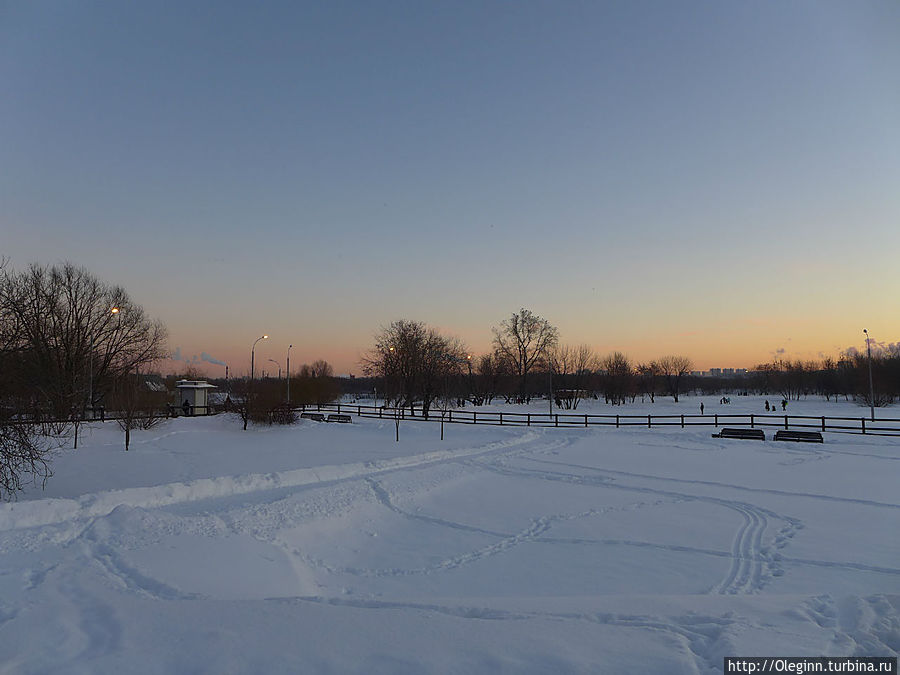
(193, 396)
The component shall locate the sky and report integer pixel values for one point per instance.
(714, 179)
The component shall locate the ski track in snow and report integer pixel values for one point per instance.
(751, 564)
(41, 512)
(704, 638)
(729, 486)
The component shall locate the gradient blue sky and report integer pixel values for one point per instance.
(717, 179)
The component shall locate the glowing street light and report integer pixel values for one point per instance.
(252, 353)
(871, 387)
(113, 311)
(289, 374)
(250, 384)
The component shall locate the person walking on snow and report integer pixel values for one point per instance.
(701, 407)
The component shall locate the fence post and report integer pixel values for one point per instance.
(617, 421)
(648, 421)
(717, 419)
(751, 421)
(528, 423)
(359, 411)
(474, 417)
(863, 419)
(380, 410)
(339, 409)
(585, 420)
(451, 416)
(556, 420)
(785, 421)
(823, 423)
(682, 421)
(501, 419)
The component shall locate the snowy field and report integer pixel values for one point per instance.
(332, 549)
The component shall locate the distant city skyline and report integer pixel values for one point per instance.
(716, 180)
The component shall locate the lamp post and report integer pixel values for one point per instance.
(252, 353)
(113, 311)
(250, 384)
(289, 374)
(550, 373)
(397, 409)
(871, 386)
(279, 367)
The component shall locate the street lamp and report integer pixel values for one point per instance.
(114, 311)
(279, 367)
(471, 388)
(550, 374)
(871, 387)
(250, 383)
(289, 374)
(252, 354)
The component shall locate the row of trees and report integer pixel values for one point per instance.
(416, 365)
(845, 377)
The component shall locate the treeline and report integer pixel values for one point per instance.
(618, 380)
(844, 378)
(412, 364)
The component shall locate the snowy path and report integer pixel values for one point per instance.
(503, 550)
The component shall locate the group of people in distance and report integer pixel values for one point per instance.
(769, 406)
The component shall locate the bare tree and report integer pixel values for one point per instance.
(493, 370)
(24, 450)
(647, 376)
(133, 405)
(673, 369)
(412, 358)
(618, 377)
(572, 366)
(525, 340)
(75, 334)
(319, 368)
(24, 456)
(62, 346)
(315, 383)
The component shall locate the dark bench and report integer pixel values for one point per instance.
(746, 434)
(799, 436)
(318, 417)
(339, 418)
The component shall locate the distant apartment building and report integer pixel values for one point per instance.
(719, 372)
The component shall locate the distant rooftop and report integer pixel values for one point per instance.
(194, 384)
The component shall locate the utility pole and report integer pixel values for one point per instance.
(289, 374)
(871, 386)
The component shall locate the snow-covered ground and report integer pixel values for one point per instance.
(331, 548)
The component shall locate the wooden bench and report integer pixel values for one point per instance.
(799, 436)
(339, 418)
(745, 434)
(318, 417)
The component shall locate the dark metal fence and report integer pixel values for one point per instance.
(882, 426)
(853, 425)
